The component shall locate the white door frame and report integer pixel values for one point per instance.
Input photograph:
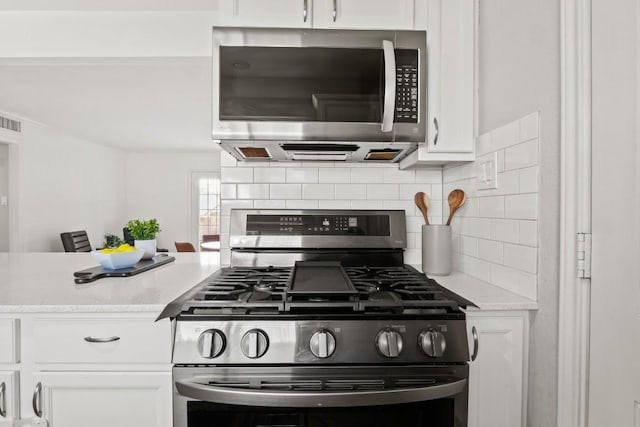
(575, 211)
(13, 140)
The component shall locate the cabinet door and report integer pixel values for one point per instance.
(261, 13)
(105, 399)
(363, 14)
(9, 393)
(451, 89)
(496, 377)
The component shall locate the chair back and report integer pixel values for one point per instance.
(185, 247)
(75, 241)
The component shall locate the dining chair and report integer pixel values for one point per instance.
(185, 247)
(75, 241)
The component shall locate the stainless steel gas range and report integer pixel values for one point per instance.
(318, 322)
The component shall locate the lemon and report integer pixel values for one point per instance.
(125, 247)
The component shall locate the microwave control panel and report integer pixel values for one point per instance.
(406, 86)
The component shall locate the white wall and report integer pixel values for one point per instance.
(4, 190)
(519, 72)
(65, 184)
(159, 186)
(495, 233)
(329, 185)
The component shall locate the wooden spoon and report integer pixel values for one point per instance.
(422, 202)
(456, 199)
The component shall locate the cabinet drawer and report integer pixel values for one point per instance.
(89, 340)
(9, 339)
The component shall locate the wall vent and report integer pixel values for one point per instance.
(12, 125)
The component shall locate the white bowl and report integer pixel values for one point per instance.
(116, 260)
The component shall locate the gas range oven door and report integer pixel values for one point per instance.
(410, 396)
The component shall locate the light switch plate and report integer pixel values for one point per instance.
(487, 172)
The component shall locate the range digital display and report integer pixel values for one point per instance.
(315, 225)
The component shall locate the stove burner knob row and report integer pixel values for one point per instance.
(254, 343)
(211, 343)
(322, 344)
(433, 343)
(389, 343)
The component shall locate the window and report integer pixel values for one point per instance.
(206, 192)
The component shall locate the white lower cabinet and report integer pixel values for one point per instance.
(105, 399)
(9, 397)
(497, 377)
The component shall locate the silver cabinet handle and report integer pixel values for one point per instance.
(99, 340)
(36, 403)
(335, 10)
(305, 10)
(435, 125)
(3, 401)
(476, 345)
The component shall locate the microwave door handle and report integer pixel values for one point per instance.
(309, 399)
(389, 85)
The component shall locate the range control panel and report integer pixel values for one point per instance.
(312, 225)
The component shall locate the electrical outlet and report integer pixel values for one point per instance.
(3, 201)
(487, 173)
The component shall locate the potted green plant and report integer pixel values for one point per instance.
(112, 241)
(144, 234)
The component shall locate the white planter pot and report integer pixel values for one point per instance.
(149, 247)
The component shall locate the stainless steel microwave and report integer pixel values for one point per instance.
(319, 94)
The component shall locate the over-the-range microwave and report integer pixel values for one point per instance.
(319, 94)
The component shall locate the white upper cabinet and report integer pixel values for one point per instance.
(361, 14)
(451, 101)
(364, 14)
(261, 13)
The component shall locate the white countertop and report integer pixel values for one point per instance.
(485, 295)
(44, 282)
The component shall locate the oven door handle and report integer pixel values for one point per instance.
(304, 399)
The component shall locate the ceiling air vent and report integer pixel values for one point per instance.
(254, 152)
(12, 125)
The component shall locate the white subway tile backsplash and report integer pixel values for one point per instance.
(269, 204)
(366, 204)
(318, 191)
(302, 204)
(397, 176)
(269, 175)
(490, 250)
(479, 227)
(302, 175)
(383, 192)
(229, 175)
(521, 206)
(253, 191)
(285, 191)
(529, 126)
(227, 205)
(228, 191)
(505, 230)
(505, 136)
(468, 246)
(429, 176)
(351, 192)
(521, 258)
(227, 159)
(528, 233)
(528, 180)
(334, 204)
(483, 144)
(521, 156)
(508, 183)
(366, 176)
(334, 176)
(491, 207)
(477, 268)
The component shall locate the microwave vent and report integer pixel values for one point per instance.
(382, 154)
(335, 148)
(254, 152)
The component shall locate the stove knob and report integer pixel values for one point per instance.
(322, 344)
(254, 343)
(211, 343)
(389, 343)
(433, 343)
